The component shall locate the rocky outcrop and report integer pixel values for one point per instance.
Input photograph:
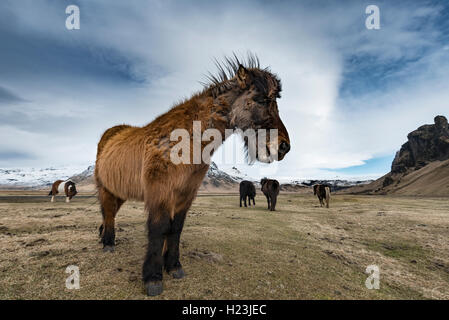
(420, 167)
(426, 144)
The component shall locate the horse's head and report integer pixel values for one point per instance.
(71, 190)
(256, 108)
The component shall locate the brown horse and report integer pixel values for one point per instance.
(323, 192)
(135, 162)
(270, 189)
(69, 190)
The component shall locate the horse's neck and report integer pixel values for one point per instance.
(212, 112)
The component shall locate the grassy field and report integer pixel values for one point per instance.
(301, 251)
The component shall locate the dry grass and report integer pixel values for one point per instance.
(301, 251)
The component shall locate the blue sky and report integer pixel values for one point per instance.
(371, 165)
(350, 94)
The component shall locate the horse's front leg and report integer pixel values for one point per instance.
(171, 258)
(158, 228)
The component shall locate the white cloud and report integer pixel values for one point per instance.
(305, 45)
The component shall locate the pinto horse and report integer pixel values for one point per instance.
(69, 190)
(134, 163)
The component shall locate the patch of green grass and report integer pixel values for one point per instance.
(397, 249)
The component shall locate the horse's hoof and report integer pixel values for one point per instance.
(108, 248)
(153, 288)
(178, 273)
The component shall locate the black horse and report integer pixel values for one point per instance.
(247, 190)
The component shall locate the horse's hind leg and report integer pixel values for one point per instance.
(110, 204)
(268, 201)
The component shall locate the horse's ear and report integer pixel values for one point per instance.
(242, 77)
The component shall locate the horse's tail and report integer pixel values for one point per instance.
(328, 195)
(50, 193)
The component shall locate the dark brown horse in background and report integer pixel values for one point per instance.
(134, 162)
(270, 189)
(323, 192)
(247, 191)
(69, 190)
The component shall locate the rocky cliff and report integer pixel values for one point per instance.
(426, 144)
(420, 167)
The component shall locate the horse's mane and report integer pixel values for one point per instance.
(220, 82)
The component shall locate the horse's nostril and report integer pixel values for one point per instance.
(284, 147)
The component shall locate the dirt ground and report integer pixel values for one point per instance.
(301, 251)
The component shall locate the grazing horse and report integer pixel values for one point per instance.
(247, 190)
(69, 190)
(323, 192)
(270, 189)
(135, 162)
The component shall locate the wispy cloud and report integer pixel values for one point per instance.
(6, 96)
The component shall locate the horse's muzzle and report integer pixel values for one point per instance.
(284, 148)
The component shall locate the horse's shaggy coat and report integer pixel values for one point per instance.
(247, 190)
(134, 162)
(270, 189)
(323, 192)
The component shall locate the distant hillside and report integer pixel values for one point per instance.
(431, 180)
(420, 167)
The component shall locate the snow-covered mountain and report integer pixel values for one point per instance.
(335, 184)
(83, 176)
(215, 179)
(34, 177)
